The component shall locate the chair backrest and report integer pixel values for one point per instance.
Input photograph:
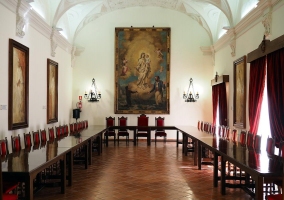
(234, 135)
(122, 121)
(142, 120)
(36, 138)
(227, 133)
(51, 133)
(243, 136)
(213, 129)
(71, 128)
(201, 125)
(4, 147)
(57, 132)
(209, 128)
(65, 130)
(160, 123)
(86, 123)
(257, 142)
(198, 125)
(220, 131)
(270, 146)
(110, 121)
(27, 140)
(75, 127)
(43, 136)
(281, 149)
(250, 140)
(16, 143)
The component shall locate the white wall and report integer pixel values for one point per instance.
(39, 49)
(246, 43)
(97, 61)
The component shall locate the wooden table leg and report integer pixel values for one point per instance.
(29, 188)
(177, 138)
(215, 172)
(195, 158)
(63, 175)
(223, 174)
(134, 137)
(90, 151)
(199, 155)
(259, 188)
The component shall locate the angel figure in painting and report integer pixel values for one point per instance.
(124, 67)
(159, 53)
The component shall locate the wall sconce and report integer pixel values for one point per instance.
(190, 95)
(93, 95)
(216, 77)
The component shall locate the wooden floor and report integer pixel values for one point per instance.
(143, 172)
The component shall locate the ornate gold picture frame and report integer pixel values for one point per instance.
(52, 91)
(239, 116)
(142, 70)
(18, 106)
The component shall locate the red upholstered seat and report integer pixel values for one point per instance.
(110, 121)
(4, 148)
(122, 122)
(274, 197)
(234, 135)
(160, 132)
(10, 197)
(58, 132)
(28, 141)
(142, 123)
(71, 128)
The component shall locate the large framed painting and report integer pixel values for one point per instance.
(142, 70)
(52, 91)
(239, 115)
(18, 106)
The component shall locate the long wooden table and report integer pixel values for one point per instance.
(24, 166)
(258, 164)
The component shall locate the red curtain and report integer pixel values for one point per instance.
(256, 88)
(215, 92)
(222, 104)
(275, 93)
(219, 97)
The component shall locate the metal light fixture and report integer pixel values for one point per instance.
(94, 95)
(190, 96)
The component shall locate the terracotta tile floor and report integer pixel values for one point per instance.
(131, 173)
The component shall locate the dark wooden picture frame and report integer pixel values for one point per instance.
(239, 115)
(18, 106)
(52, 91)
(142, 70)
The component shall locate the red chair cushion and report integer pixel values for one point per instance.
(9, 186)
(274, 197)
(10, 197)
(3, 149)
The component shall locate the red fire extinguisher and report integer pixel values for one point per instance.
(79, 104)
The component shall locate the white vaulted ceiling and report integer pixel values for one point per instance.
(73, 15)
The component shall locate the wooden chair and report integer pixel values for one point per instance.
(43, 137)
(86, 123)
(257, 143)
(160, 132)
(242, 139)
(8, 186)
(270, 146)
(36, 138)
(142, 127)
(16, 143)
(58, 132)
(4, 148)
(250, 140)
(65, 130)
(234, 135)
(201, 125)
(71, 126)
(122, 121)
(28, 141)
(110, 121)
(51, 134)
(198, 125)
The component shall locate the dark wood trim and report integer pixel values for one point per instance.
(266, 47)
(220, 79)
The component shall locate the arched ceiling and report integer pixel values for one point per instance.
(73, 15)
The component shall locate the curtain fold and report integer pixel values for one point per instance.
(215, 94)
(256, 89)
(223, 104)
(275, 87)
